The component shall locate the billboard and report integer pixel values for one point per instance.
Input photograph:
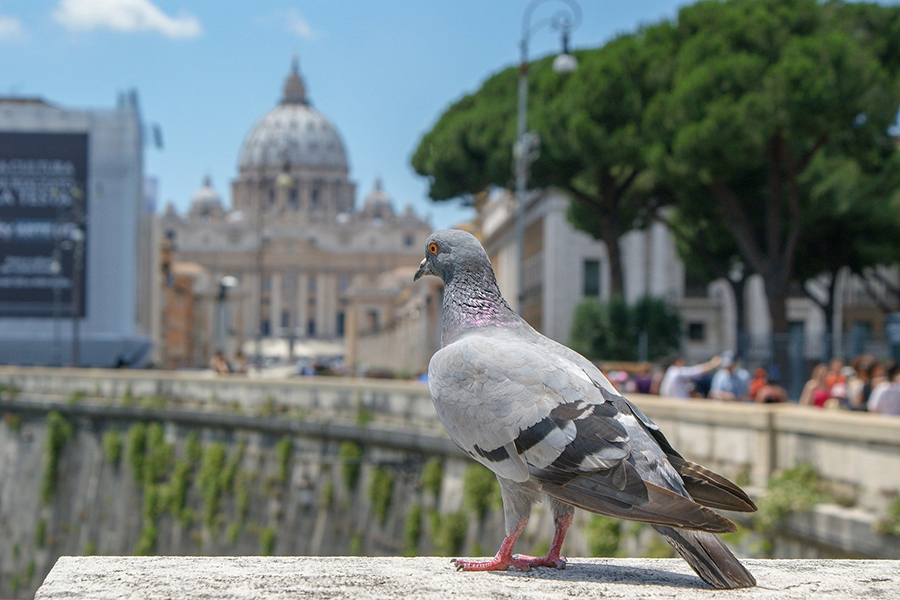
(43, 212)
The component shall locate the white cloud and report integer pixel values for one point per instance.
(11, 29)
(124, 16)
(295, 23)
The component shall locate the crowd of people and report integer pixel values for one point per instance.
(866, 384)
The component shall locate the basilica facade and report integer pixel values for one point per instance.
(284, 256)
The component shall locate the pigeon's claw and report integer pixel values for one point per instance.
(498, 563)
(553, 562)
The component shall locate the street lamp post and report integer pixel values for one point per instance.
(525, 149)
(225, 284)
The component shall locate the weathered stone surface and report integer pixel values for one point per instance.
(351, 577)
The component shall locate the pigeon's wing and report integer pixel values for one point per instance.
(533, 415)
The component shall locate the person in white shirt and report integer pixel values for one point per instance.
(885, 398)
(677, 381)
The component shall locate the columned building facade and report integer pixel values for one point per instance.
(293, 238)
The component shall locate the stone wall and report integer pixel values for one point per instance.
(285, 446)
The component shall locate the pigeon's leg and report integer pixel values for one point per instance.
(502, 560)
(562, 514)
(517, 501)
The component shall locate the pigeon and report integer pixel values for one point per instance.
(548, 423)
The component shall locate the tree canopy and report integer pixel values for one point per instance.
(589, 122)
(767, 99)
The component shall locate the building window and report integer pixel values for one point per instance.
(311, 328)
(292, 197)
(591, 277)
(311, 283)
(267, 284)
(340, 324)
(373, 320)
(697, 331)
(408, 240)
(343, 283)
(314, 196)
(264, 327)
(285, 318)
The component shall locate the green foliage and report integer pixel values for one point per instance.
(29, 572)
(16, 550)
(8, 391)
(13, 421)
(891, 522)
(232, 533)
(350, 455)
(155, 501)
(793, 490)
(112, 446)
(241, 495)
(284, 449)
(480, 489)
(157, 455)
(412, 529)
(179, 485)
(356, 543)
(211, 480)
(381, 491)
(186, 518)
(267, 541)
(432, 476)
(14, 583)
(76, 396)
(90, 549)
(612, 330)
(193, 448)
(229, 474)
(40, 533)
(364, 416)
(451, 534)
(604, 535)
(269, 407)
(326, 499)
(147, 541)
(135, 450)
(774, 118)
(59, 432)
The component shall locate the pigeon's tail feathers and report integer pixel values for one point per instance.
(661, 506)
(709, 557)
(711, 489)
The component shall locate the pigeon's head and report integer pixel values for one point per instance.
(451, 251)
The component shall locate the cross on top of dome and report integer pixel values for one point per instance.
(294, 88)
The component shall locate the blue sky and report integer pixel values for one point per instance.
(206, 70)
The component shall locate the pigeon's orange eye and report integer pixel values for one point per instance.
(432, 248)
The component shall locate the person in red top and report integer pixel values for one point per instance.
(816, 391)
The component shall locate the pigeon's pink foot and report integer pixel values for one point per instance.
(554, 562)
(498, 563)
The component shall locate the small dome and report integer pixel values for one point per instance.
(293, 134)
(377, 203)
(206, 201)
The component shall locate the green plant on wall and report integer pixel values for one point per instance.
(381, 490)
(211, 481)
(158, 455)
(284, 449)
(797, 489)
(59, 432)
(193, 448)
(40, 533)
(112, 446)
(412, 530)
(432, 476)
(147, 541)
(326, 500)
(267, 541)
(480, 489)
(135, 450)
(451, 534)
(890, 524)
(603, 535)
(350, 455)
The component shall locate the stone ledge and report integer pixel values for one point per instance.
(115, 577)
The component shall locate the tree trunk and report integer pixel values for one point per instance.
(616, 275)
(740, 310)
(776, 299)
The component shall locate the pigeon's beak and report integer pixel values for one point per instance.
(422, 270)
